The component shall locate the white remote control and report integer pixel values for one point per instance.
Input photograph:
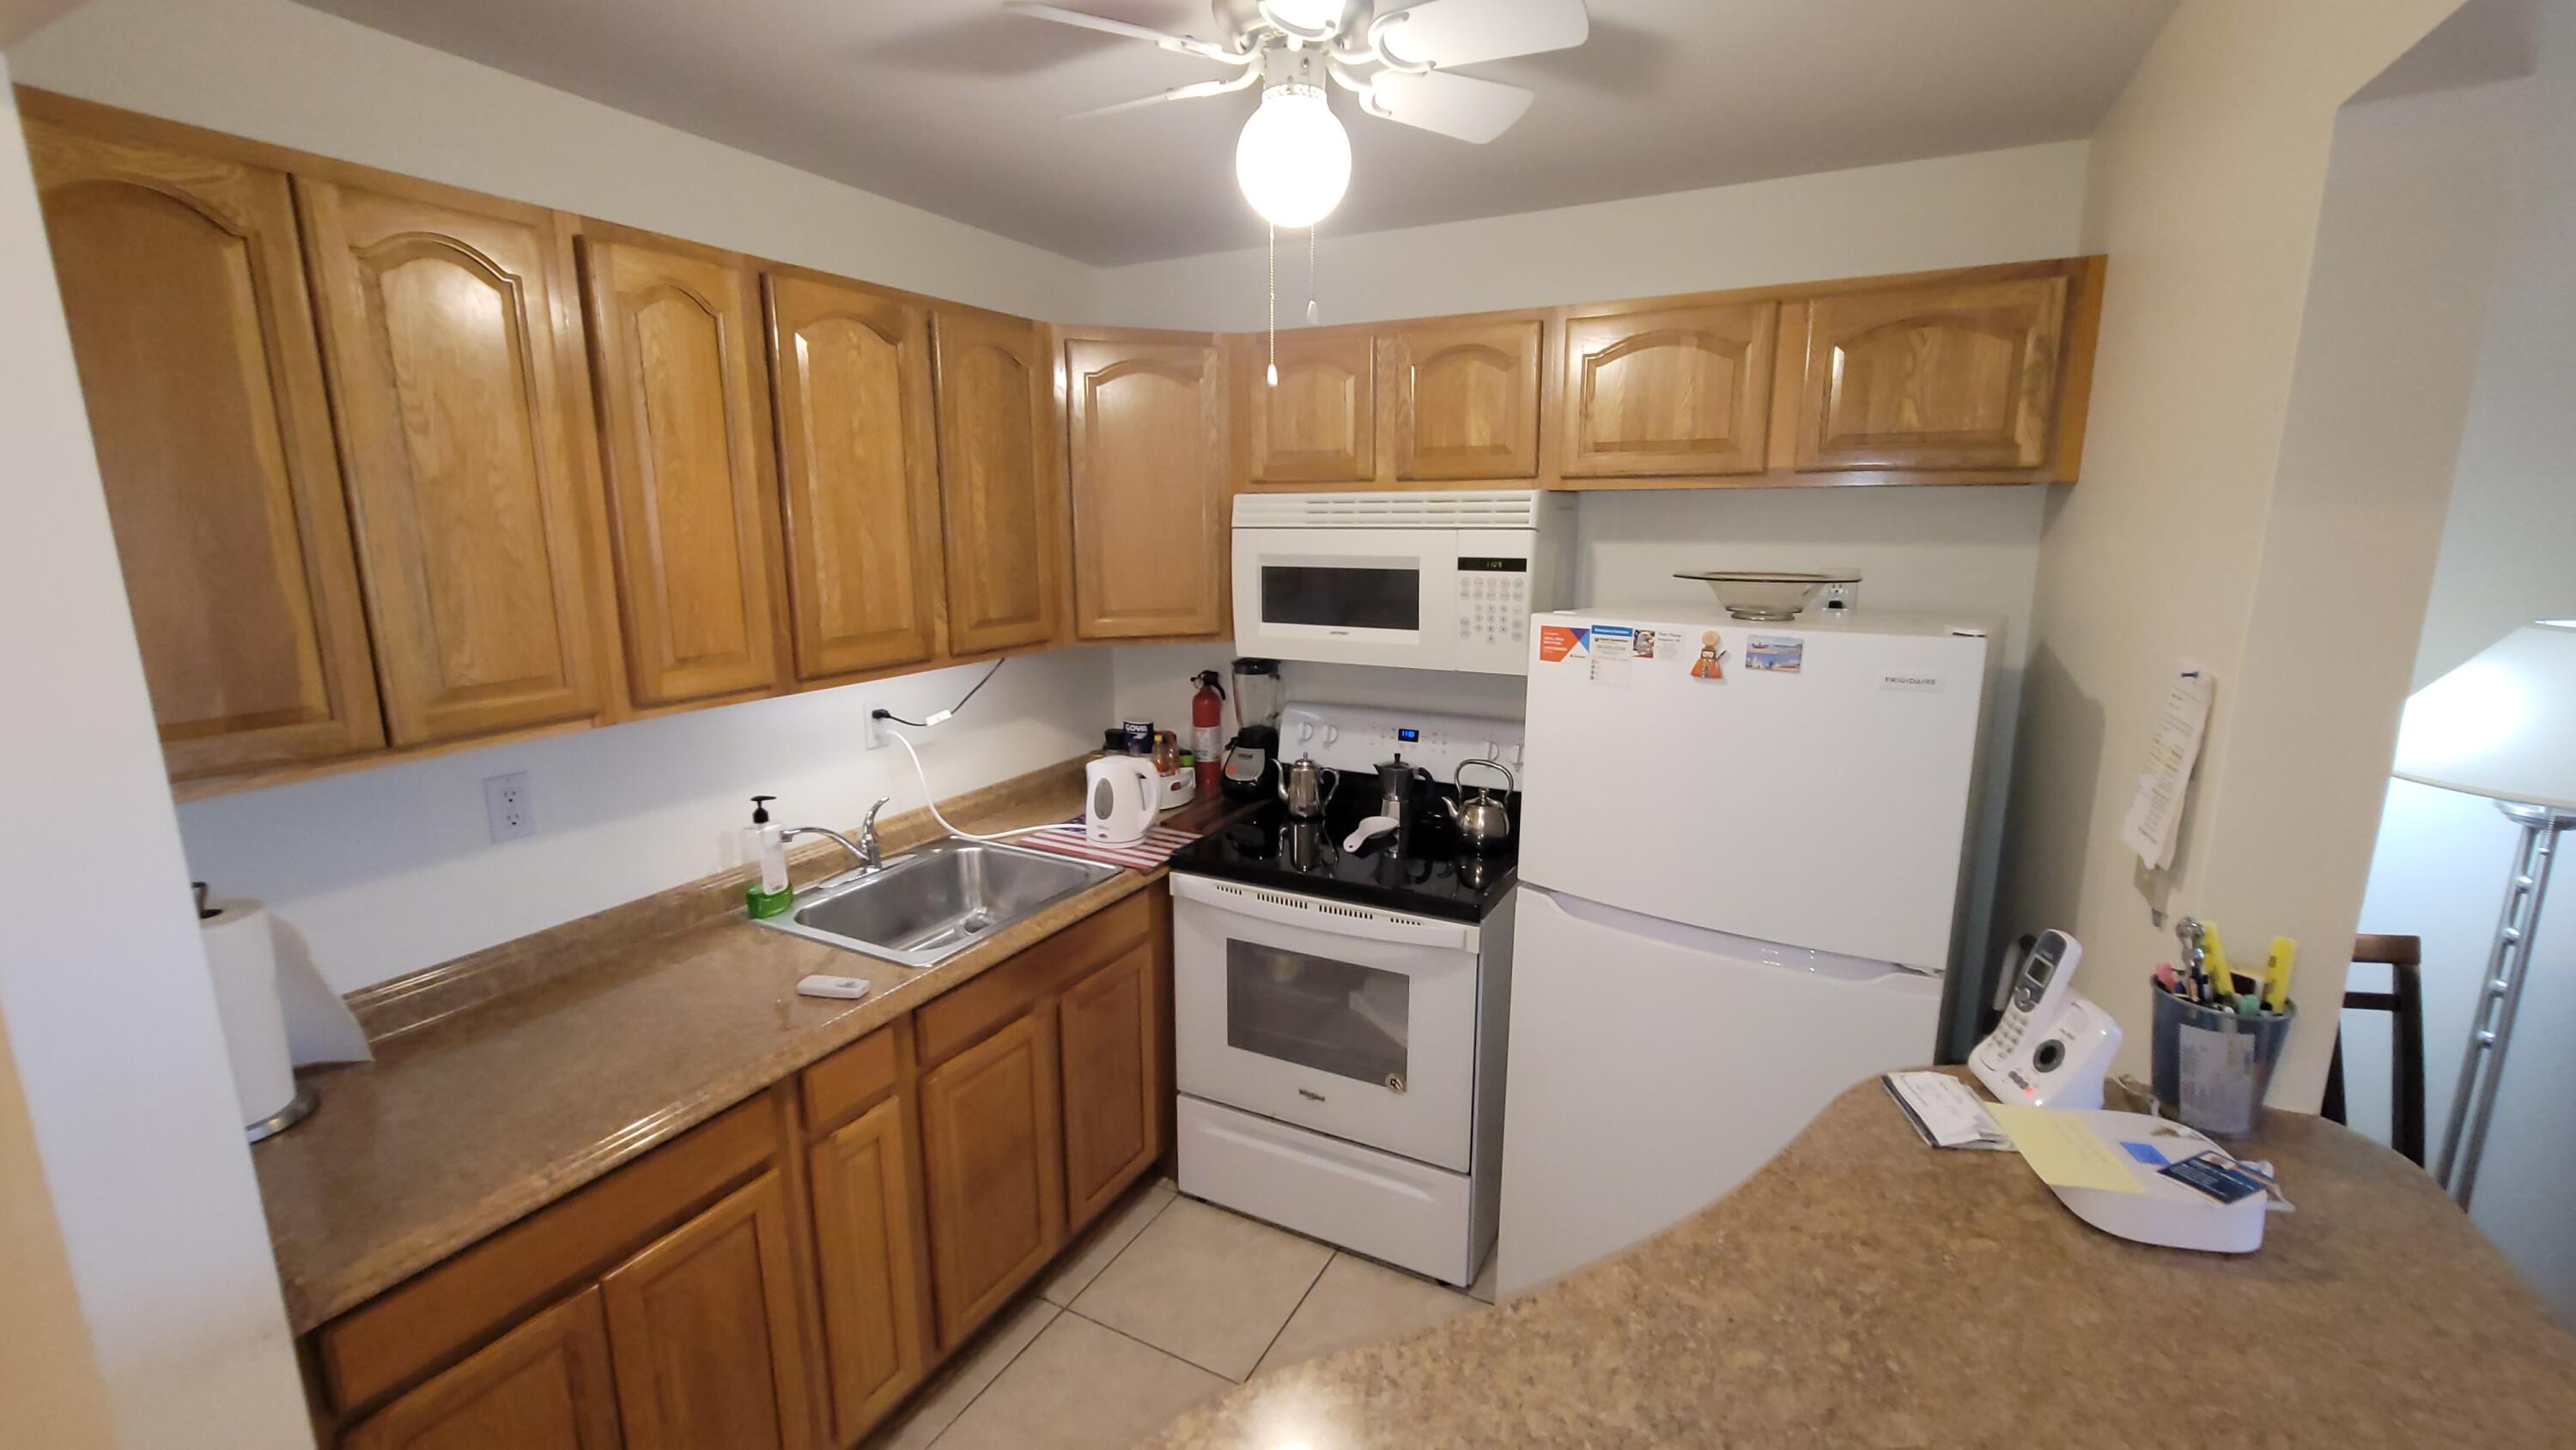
(819, 985)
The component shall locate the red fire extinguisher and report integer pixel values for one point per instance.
(1206, 709)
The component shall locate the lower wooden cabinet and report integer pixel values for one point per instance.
(702, 1330)
(865, 1234)
(545, 1385)
(1113, 1095)
(991, 1158)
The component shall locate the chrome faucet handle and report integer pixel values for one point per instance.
(871, 853)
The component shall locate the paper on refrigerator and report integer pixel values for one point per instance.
(2154, 821)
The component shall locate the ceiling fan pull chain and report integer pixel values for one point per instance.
(1314, 313)
(1274, 305)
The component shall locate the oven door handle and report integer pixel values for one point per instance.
(1365, 922)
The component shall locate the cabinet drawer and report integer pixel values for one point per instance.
(421, 1323)
(839, 1086)
(957, 1020)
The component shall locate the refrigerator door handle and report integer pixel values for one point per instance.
(1825, 966)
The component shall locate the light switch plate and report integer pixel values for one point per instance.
(505, 805)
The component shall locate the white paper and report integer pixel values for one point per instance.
(1948, 1109)
(2154, 821)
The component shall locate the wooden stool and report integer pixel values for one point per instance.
(2404, 958)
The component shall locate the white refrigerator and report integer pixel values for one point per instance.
(1742, 860)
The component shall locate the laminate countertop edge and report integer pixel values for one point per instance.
(470, 1124)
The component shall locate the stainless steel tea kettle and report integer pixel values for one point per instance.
(1484, 819)
(1303, 784)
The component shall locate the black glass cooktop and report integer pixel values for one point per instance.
(1429, 871)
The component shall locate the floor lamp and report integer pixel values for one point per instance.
(2501, 726)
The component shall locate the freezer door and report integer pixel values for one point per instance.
(1822, 802)
(1654, 1067)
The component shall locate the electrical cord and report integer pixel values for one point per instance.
(927, 794)
(936, 716)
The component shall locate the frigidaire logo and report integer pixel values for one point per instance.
(1909, 682)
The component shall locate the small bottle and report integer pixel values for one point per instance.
(1167, 750)
(767, 896)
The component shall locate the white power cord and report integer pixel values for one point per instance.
(932, 797)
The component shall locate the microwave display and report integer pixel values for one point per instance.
(1341, 596)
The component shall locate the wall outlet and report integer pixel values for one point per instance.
(505, 804)
(872, 729)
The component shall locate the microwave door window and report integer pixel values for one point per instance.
(1342, 596)
(1318, 1013)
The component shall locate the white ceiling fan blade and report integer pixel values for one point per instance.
(1453, 105)
(1463, 32)
(1178, 44)
(1177, 93)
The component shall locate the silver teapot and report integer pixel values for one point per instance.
(1484, 820)
(1305, 786)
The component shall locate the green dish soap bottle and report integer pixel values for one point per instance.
(768, 895)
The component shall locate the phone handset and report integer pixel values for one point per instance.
(2053, 1046)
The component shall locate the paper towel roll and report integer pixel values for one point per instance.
(241, 956)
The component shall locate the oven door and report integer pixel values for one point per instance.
(1345, 1019)
(1347, 596)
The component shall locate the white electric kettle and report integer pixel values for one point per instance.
(1121, 799)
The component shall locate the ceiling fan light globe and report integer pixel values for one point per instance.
(1293, 160)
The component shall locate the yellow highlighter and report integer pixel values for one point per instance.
(2276, 974)
(2213, 960)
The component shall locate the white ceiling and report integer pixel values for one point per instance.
(952, 105)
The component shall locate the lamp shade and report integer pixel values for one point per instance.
(2503, 725)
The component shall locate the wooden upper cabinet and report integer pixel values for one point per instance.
(545, 1385)
(1935, 376)
(991, 1151)
(850, 376)
(1003, 517)
(702, 1331)
(451, 334)
(672, 358)
(1319, 424)
(1466, 400)
(193, 332)
(1113, 1104)
(866, 1230)
(1682, 390)
(1147, 426)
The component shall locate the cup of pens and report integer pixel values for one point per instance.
(2218, 1033)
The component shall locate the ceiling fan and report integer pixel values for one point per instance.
(1294, 159)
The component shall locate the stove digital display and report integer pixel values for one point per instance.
(1409, 737)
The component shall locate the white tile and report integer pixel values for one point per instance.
(1080, 1387)
(959, 1384)
(1357, 1302)
(1115, 1231)
(1210, 1286)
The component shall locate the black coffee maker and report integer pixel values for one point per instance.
(1251, 764)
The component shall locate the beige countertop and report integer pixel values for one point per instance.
(678, 1008)
(1864, 1290)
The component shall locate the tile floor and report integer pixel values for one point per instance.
(1170, 1301)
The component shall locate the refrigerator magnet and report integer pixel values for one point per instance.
(1710, 665)
(1777, 653)
(1556, 641)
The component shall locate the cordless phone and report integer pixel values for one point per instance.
(2053, 1046)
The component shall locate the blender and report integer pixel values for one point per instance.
(1252, 756)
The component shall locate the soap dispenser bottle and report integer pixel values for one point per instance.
(767, 896)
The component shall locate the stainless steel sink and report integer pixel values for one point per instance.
(925, 907)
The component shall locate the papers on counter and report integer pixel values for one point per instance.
(2063, 1148)
(1947, 1112)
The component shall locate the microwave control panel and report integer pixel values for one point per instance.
(1493, 607)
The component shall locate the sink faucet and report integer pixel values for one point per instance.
(865, 848)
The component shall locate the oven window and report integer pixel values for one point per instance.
(1316, 1012)
(1342, 597)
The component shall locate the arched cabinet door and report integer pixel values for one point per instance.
(1938, 376)
(672, 360)
(1147, 425)
(1674, 391)
(1003, 511)
(193, 332)
(1466, 400)
(455, 362)
(1318, 423)
(858, 465)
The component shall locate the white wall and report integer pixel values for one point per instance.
(390, 869)
(1955, 211)
(281, 73)
(120, 1072)
(2442, 857)
(2207, 182)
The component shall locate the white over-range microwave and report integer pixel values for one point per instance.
(1425, 581)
